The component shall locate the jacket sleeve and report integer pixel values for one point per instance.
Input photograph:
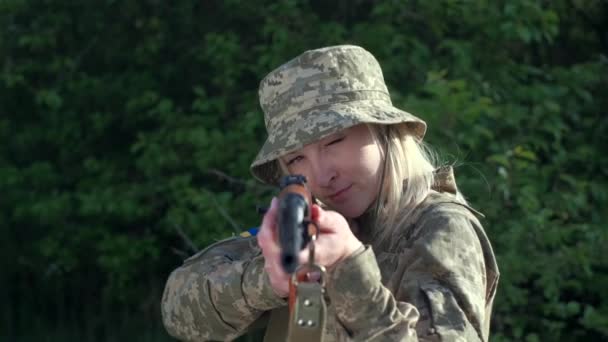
(437, 291)
(218, 293)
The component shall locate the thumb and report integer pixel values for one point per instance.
(328, 220)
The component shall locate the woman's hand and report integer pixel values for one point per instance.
(334, 243)
(267, 240)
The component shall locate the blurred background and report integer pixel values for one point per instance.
(127, 129)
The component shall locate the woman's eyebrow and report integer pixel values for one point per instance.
(334, 136)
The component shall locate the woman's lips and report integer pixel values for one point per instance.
(340, 195)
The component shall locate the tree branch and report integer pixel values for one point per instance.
(233, 180)
(180, 253)
(224, 213)
(187, 241)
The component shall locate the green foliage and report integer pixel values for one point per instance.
(127, 128)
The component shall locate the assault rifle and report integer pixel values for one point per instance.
(295, 227)
(307, 307)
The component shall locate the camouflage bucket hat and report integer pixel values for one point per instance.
(319, 93)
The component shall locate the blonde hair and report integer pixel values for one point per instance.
(408, 178)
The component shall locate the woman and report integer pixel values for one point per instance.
(406, 257)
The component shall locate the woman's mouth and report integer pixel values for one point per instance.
(341, 195)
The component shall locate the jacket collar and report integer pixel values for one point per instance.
(444, 180)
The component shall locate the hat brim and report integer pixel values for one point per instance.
(319, 122)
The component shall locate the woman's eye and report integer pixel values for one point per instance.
(294, 160)
(335, 141)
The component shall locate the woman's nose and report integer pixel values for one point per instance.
(324, 174)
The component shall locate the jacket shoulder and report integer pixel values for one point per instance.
(444, 215)
(435, 205)
(233, 248)
(446, 203)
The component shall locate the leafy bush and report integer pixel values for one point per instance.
(127, 129)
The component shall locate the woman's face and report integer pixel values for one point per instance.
(343, 170)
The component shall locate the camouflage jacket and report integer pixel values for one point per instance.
(436, 282)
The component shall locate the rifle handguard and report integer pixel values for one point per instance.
(294, 220)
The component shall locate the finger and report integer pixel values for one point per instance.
(275, 268)
(278, 278)
(303, 256)
(266, 234)
(270, 217)
(270, 248)
(329, 221)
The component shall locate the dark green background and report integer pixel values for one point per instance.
(127, 128)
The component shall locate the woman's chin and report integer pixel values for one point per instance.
(350, 213)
